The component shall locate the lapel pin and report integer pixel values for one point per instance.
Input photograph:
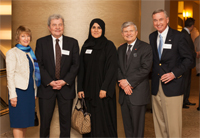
(134, 54)
(135, 49)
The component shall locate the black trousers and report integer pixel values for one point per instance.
(186, 85)
(133, 118)
(47, 106)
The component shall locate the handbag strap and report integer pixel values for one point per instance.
(83, 104)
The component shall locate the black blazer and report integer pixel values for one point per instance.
(178, 59)
(136, 72)
(69, 66)
(191, 44)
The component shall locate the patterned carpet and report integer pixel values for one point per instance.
(191, 119)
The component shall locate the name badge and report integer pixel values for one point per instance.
(88, 51)
(167, 46)
(65, 52)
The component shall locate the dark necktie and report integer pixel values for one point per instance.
(128, 53)
(58, 59)
(160, 46)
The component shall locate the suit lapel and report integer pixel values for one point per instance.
(123, 56)
(155, 47)
(51, 50)
(133, 52)
(63, 47)
(167, 41)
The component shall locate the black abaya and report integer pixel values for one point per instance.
(98, 71)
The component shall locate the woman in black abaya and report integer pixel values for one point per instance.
(96, 81)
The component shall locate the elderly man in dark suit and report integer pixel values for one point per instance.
(58, 58)
(171, 58)
(135, 61)
(189, 25)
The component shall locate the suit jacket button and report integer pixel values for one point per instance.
(160, 64)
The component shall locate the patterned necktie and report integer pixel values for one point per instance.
(58, 59)
(160, 47)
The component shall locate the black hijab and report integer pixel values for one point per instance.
(96, 43)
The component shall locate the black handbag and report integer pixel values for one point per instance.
(36, 119)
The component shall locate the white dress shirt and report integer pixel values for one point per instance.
(187, 30)
(60, 42)
(164, 35)
(132, 45)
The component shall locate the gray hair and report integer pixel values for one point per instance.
(159, 11)
(54, 16)
(126, 24)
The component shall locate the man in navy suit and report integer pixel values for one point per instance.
(58, 58)
(171, 58)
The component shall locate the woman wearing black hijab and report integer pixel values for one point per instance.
(96, 80)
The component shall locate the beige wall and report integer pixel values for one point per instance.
(77, 15)
(147, 8)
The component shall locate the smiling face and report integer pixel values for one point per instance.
(24, 39)
(129, 34)
(56, 27)
(96, 30)
(160, 21)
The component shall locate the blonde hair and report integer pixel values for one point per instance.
(22, 29)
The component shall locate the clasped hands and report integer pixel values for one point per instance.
(125, 86)
(57, 85)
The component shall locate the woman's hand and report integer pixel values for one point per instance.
(13, 102)
(81, 94)
(102, 94)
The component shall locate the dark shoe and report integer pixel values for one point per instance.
(198, 109)
(189, 103)
(185, 106)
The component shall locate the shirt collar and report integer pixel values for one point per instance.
(164, 33)
(132, 44)
(187, 30)
(54, 39)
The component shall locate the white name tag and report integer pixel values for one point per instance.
(88, 51)
(167, 46)
(65, 52)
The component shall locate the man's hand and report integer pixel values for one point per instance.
(60, 83)
(128, 90)
(123, 83)
(167, 77)
(102, 94)
(57, 85)
(13, 102)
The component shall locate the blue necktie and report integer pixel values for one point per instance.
(160, 46)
